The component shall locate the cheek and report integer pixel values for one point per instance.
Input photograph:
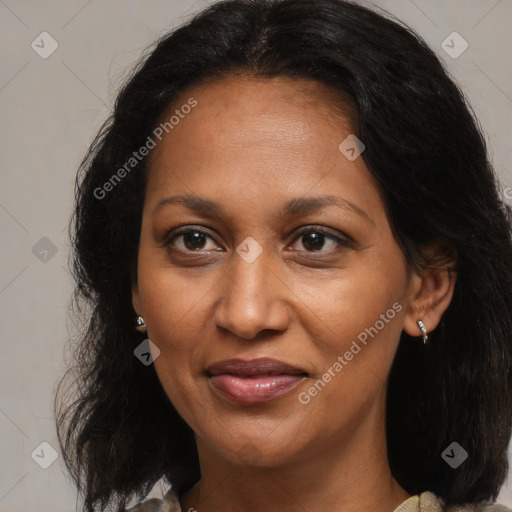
(174, 311)
(172, 299)
(359, 317)
(355, 299)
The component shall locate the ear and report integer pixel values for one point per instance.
(430, 295)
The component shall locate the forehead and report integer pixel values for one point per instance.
(258, 136)
(248, 112)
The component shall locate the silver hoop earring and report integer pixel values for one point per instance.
(140, 324)
(423, 331)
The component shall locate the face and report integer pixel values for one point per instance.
(282, 250)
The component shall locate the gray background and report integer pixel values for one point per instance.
(51, 109)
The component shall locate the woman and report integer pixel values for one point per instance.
(296, 265)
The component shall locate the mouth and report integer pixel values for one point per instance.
(254, 381)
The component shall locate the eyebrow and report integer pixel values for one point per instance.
(294, 207)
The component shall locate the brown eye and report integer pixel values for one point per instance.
(314, 240)
(190, 240)
(194, 240)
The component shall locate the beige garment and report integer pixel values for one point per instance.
(425, 502)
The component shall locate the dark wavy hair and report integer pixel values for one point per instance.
(120, 433)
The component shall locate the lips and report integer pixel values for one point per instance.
(254, 381)
(260, 366)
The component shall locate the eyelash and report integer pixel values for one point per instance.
(345, 242)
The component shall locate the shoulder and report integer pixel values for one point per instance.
(428, 501)
(151, 505)
(479, 507)
(425, 502)
(169, 503)
(430, 498)
(475, 507)
(495, 507)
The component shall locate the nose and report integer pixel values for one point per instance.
(254, 299)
